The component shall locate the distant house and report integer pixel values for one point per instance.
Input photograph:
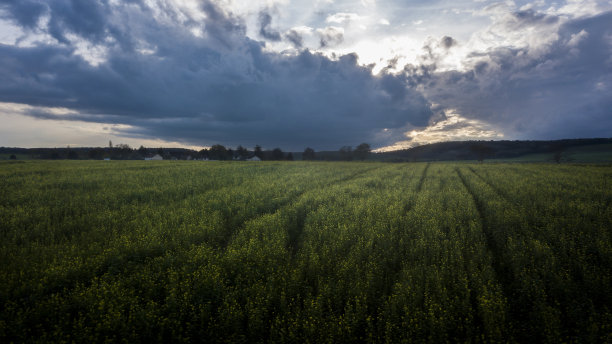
(253, 158)
(155, 157)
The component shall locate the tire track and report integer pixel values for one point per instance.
(495, 188)
(422, 180)
(518, 311)
(232, 228)
(298, 219)
(117, 264)
(502, 270)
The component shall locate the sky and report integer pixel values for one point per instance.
(308, 73)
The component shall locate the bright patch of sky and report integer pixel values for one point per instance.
(74, 133)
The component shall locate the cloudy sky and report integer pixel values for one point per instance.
(291, 74)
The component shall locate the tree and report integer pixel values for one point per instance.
(242, 153)
(13, 157)
(110, 144)
(558, 149)
(346, 153)
(290, 156)
(482, 151)
(217, 152)
(362, 151)
(96, 153)
(142, 151)
(258, 152)
(72, 155)
(277, 154)
(309, 154)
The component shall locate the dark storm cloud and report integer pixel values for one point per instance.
(295, 38)
(562, 91)
(219, 88)
(265, 31)
(84, 18)
(447, 42)
(25, 12)
(530, 17)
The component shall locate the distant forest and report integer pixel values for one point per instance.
(215, 152)
(442, 151)
(481, 150)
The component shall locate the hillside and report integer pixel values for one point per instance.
(577, 150)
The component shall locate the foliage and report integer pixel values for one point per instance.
(218, 152)
(160, 251)
(362, 151)
(277, 154)
(308, 154)
(346, 153)
(482, 151)
(258, 151)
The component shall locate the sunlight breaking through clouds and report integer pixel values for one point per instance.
(452, 128)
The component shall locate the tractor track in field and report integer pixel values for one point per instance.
(142, 256)
(502, 271)
(495, 188)
(233, 228)
(299, 221)
(517, 310)
(422, 180)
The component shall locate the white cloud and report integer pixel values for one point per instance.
(368, 3)
(343, 17)
(577, 38)
(9, 33)
(581, 8)
(331, 36)
(94, 54)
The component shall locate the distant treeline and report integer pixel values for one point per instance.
(216, 152)
(480, 150)
(120, 152)
(442, 151)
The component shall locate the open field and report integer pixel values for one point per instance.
(314, 252)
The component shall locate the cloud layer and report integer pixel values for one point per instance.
(188, 71)
(557, 89)
(218, 87)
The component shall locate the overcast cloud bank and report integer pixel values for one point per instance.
(190, 72)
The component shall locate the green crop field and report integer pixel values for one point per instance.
(112, 251)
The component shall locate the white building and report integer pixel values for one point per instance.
(155, 157)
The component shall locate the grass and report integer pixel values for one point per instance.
(188, 251)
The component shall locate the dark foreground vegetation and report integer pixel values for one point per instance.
(313, 252)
